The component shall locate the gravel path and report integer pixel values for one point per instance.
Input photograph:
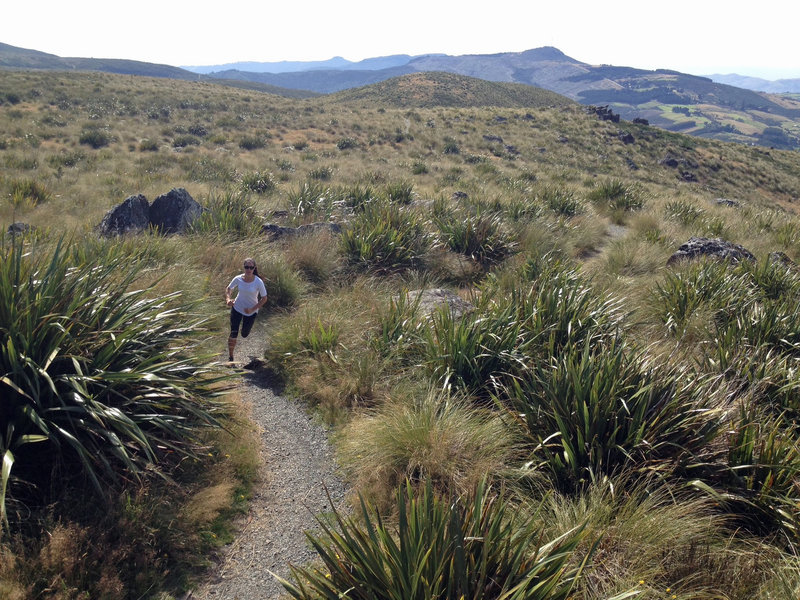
(297, 466)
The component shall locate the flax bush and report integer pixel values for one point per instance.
(99, 379)
(599, 409)
(440, 549)
(385, 238)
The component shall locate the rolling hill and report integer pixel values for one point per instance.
(12, 57)
(667, 99)
(430, 89)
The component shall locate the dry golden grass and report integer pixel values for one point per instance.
(164, 134)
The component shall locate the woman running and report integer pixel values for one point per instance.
(251, 295)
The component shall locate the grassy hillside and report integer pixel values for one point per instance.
(429, 90)
(645, 413)
(668, 99)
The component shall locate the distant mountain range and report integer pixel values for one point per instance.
(668, 99)
(778, 86)
(338, 63)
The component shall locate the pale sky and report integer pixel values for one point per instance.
(699, 36)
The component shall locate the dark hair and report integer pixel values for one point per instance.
(255, 270)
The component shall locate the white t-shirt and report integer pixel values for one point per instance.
(248, 293)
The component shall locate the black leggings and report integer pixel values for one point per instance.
(246, 322)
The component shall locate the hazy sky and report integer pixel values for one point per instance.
(699, 36)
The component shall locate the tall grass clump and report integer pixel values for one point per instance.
(284, 284)
(561, 201)
(550, 309)
(399, 326)
(259, 182)
(100, 381)
(760, 479)
(311, 199)
(384, 238)
(559, 307)
(441, 548)
(744, 324)
(316, 257)
(400, 192)
(357, 197)
(599, 409)
(28, 192)
(231, 212)
(616, 195)
(481, 237)
(474, 351)
(95, 137)
(437, 438)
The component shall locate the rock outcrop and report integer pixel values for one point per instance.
(132, 215)
(698, 247)
(432, 300)
(172, 212)
(19, 228)
(278, 231)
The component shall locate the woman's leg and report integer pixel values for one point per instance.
(236, 319)
(247, 324)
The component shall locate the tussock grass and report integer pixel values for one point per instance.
(561, 246)
(437, 439)
(444, 549)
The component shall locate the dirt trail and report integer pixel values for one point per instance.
(297, 466)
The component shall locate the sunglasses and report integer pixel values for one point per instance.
(249, 266)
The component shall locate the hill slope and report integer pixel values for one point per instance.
(430, 89)
(669, 99)
(13, 57)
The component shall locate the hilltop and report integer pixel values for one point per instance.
(429, 89)
(12, 57)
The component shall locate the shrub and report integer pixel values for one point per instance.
(440, 549)
(400, 192)
(383, 238)
(228, 213)
(98, 379)
(252, 142)
(259, 182)
(28, 191)
(600, 410)
(479, 236)
(561, 201)
(346, 143)
(96, 138)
